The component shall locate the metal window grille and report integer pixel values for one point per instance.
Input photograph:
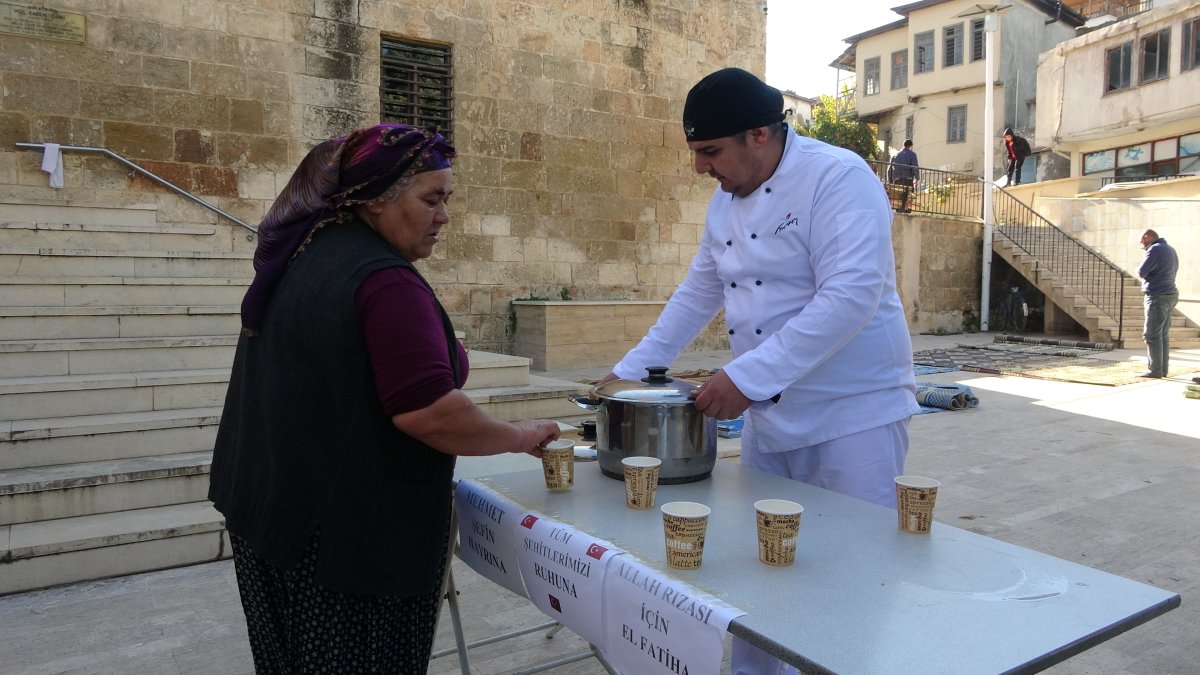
(1119, 61)
(900, 69)
(871, 75)
(956, 124)
(416, 84)
(1154, 56)
(952, 45)
(923, 52)
(1189, 50)
(977, 40)
(908, 127)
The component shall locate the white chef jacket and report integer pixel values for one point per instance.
(805, 270)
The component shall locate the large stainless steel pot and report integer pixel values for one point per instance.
(652, 417)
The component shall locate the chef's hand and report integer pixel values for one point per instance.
(720, 398)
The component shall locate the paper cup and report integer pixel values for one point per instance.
(558, 464)
(641, 481)
(684, 525)
(915, 496)
(778, 529)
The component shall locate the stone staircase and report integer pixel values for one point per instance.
(1100, 325)
(117, 333)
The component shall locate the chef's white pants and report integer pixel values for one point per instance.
(861, 465)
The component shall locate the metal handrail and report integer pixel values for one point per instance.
(937, 192)
(1071, 261)
(152, 176)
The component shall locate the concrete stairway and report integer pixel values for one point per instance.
(1100, 325)
(116, 338)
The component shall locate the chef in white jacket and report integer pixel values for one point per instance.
(797, 249)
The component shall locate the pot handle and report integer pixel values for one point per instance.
(585, 402)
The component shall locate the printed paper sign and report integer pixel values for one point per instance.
(563, 569)
(487, 534)
(656, 625)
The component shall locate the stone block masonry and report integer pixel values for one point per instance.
(572, 172)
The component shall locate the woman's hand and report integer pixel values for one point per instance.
(535, 434)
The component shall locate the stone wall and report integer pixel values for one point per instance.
(573, 175)
(938, 263)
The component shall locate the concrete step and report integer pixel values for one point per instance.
(57, 323)
(116, 237)
(34, 358)
(542, 398)
(58, 291)
(67, 550)
(23, 211)
(102, 393)
(28, 443)
(55, 262)
(490, 370)
(87, 488)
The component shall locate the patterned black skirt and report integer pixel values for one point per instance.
(298, 626)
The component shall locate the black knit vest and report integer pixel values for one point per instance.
(304, 442)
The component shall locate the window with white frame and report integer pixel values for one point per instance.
(923, 52)
(952, 45)
(1155, 56)
(1119, 63)
(871, 76)
(908, 127)
(900, 69)
(977, 40)
(956, 124)
(1189, 49)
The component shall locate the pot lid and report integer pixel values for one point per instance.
(655, 388)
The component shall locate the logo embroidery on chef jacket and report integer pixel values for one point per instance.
(787, 221)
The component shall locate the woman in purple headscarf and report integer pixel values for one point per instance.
(335, 454)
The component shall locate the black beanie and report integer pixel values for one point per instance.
(728, 101)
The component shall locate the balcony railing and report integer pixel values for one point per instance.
(1109, 180)
(936, 192)
(1117, 8)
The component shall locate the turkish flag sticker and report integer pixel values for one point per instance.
(555, 604)
(596, 551)
(528, 521)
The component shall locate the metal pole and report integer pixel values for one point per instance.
(989, 131)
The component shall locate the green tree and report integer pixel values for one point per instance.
(839, 128)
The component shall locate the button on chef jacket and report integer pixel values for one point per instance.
(805, 271)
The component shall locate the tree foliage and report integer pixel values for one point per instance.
(839, 128)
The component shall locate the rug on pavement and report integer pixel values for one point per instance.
(1022, 339)
(934, 397)
(1077, 369)
(932, 370)
(965, 355)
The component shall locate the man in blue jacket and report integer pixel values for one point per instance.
(1157, 272)
(903, 172)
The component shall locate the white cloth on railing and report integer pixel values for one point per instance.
(52, 163)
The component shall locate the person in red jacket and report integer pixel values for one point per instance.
(1017, 149)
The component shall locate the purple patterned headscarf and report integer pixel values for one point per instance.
(351, 169)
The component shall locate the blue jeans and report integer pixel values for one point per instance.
(1155, 333)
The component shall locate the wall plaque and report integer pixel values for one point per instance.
(42, 22)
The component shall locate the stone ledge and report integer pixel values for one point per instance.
(557, 335)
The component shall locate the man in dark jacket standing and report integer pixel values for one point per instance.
(1157, 272)
(903, 172)
(1017, 149)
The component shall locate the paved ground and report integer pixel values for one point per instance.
(1105, 476)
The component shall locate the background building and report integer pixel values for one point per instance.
(921, 77)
